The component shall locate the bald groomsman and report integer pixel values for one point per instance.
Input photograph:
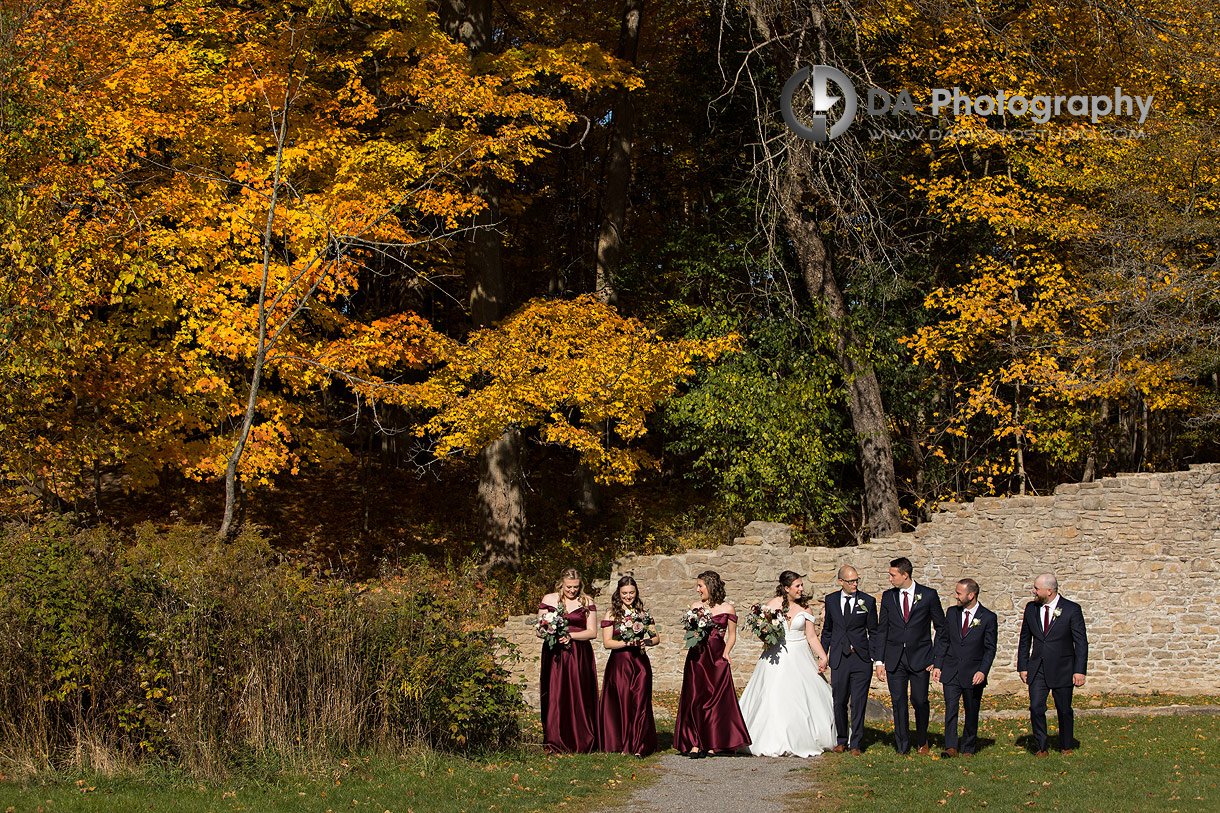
(851, 621)
(1052, 655)
(964, 652)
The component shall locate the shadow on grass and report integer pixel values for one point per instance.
(1027, 742)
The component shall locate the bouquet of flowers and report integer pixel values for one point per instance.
(634, 627)
(698, 625)
(767, 623)
(553, 625)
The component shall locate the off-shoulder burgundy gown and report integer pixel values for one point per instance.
(627, 724)
(568, 689)
(708, 716)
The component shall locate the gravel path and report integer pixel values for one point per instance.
(739, 784)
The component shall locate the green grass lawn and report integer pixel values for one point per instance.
(428, 783)
(1120, 764)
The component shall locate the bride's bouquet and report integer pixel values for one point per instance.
(553, 625)
(698, 625)
(634, 627)
(767, 623)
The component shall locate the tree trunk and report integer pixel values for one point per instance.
(618, 164)
(864, 392)
(501, 496)
(614, 215)
(501, 503)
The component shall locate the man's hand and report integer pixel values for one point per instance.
(978, 679)
(1077, 680)
(1024, 676)
(879, 670)
(935, 675)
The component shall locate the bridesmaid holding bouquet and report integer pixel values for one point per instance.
(568, 684)
(709, 720)
(627, 724)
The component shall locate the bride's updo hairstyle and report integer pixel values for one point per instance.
(715, 587)
(786, 579)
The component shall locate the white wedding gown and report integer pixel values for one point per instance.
(787, 705)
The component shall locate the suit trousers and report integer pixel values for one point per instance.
(1038, 691)
(850, 682)
(971, 697)
(900, 680)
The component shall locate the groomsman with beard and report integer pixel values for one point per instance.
(851, 621)
(903, 650)
(965, 650)
(1052, 655)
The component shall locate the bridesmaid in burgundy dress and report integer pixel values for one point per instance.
(709, 720)
(568, 684)
(627, 723)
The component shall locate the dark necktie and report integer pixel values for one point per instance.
(906, 606)
(846, 604)
(965, 622)
(1046, 618)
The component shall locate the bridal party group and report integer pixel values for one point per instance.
(906, 640)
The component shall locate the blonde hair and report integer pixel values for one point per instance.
(572, 573)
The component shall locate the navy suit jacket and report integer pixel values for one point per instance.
(841, 634)
(914, 635)
(959, 656)
(1061, 652)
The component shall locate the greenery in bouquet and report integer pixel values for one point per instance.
(767, 623)
(551, 625)
(698, 625)
(635, 627)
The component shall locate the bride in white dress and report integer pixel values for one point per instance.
(787, 704)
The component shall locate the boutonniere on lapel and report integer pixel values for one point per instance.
(974, 622)
(1058, 611)
(859, 606)
(918, 596)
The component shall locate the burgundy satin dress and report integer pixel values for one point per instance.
(627, 724)
(708, 716)
(568, 688)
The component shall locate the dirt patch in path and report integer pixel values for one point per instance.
(737, 784)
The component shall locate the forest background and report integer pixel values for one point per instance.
(539, 283)
(324, 322)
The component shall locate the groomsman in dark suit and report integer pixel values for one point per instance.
(1052, 656)
(902, 650)
(963, 656)
(851, 621)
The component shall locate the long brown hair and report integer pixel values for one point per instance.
(616, 601)
(786, 578)
(584, 598)
(715, 587)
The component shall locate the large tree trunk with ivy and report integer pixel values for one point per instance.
(501, 493)
(869, 421)
(813, 187)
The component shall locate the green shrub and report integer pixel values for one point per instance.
(164, 644)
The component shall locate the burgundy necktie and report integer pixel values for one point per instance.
(906, 606)
(965, 622)
(1046, 618)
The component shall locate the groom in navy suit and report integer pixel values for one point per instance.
(902, 650)
(964, 653)
(1052, 655)
(851, 621)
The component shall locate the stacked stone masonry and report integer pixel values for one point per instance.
(1139, 552)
